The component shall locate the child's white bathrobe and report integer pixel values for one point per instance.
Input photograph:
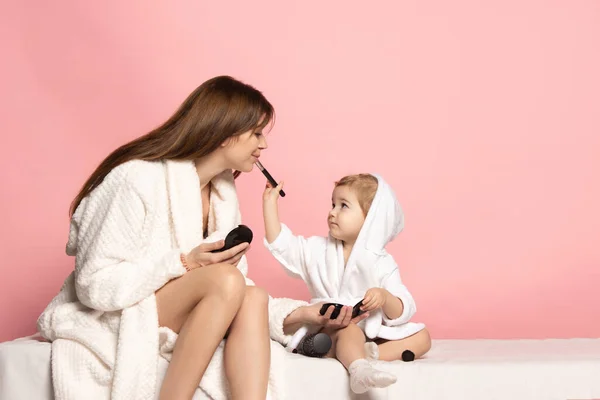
(127, 237)
(319, 261)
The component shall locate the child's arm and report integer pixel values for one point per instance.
(271, 212)
(379, 297)
(393, 297)
(397, 293)
(292, 252)
(393, 307)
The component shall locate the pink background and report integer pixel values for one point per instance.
(484, 116)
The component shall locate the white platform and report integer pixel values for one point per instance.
(454, 369)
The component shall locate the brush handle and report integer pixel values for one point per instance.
(270, 178)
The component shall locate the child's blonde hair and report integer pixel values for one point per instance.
(364, 186)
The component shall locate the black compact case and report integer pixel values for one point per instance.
(239, 235)
(356, 311)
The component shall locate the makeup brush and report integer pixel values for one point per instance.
(269, 177)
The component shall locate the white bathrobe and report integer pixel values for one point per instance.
(319, 261)
(127, 237)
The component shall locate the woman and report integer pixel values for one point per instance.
(146, 281)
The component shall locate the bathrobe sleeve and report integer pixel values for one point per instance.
(111, 270)
(279, 309)
(292, 252)
(392, 282)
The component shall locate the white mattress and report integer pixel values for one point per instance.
(454, 369)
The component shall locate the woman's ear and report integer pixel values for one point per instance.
(229, 141)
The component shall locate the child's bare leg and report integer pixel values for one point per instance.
(349, 345)
(418, 344)
(349, 348)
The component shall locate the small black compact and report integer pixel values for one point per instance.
(356, 311)
(239, 235)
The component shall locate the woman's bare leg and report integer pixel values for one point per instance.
(200, 306)
(392, 350)
(248, 348)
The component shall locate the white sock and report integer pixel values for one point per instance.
(372, 351)
(364, 377)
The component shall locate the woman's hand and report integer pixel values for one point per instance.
(201, 255)
(343, 319)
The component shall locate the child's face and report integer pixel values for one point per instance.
(346, 217)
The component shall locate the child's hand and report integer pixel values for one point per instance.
(374, 299)
(313, 316)
(270, 195)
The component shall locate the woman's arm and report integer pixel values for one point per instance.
(112, 271)
(280, 309)
(286, 316)
(297, 318)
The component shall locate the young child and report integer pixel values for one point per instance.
(351, 265)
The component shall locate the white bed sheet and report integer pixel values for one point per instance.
(469, 369)
(454, 369)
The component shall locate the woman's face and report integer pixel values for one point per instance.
(242, 151)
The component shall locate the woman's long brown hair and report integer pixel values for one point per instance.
(220, 108)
